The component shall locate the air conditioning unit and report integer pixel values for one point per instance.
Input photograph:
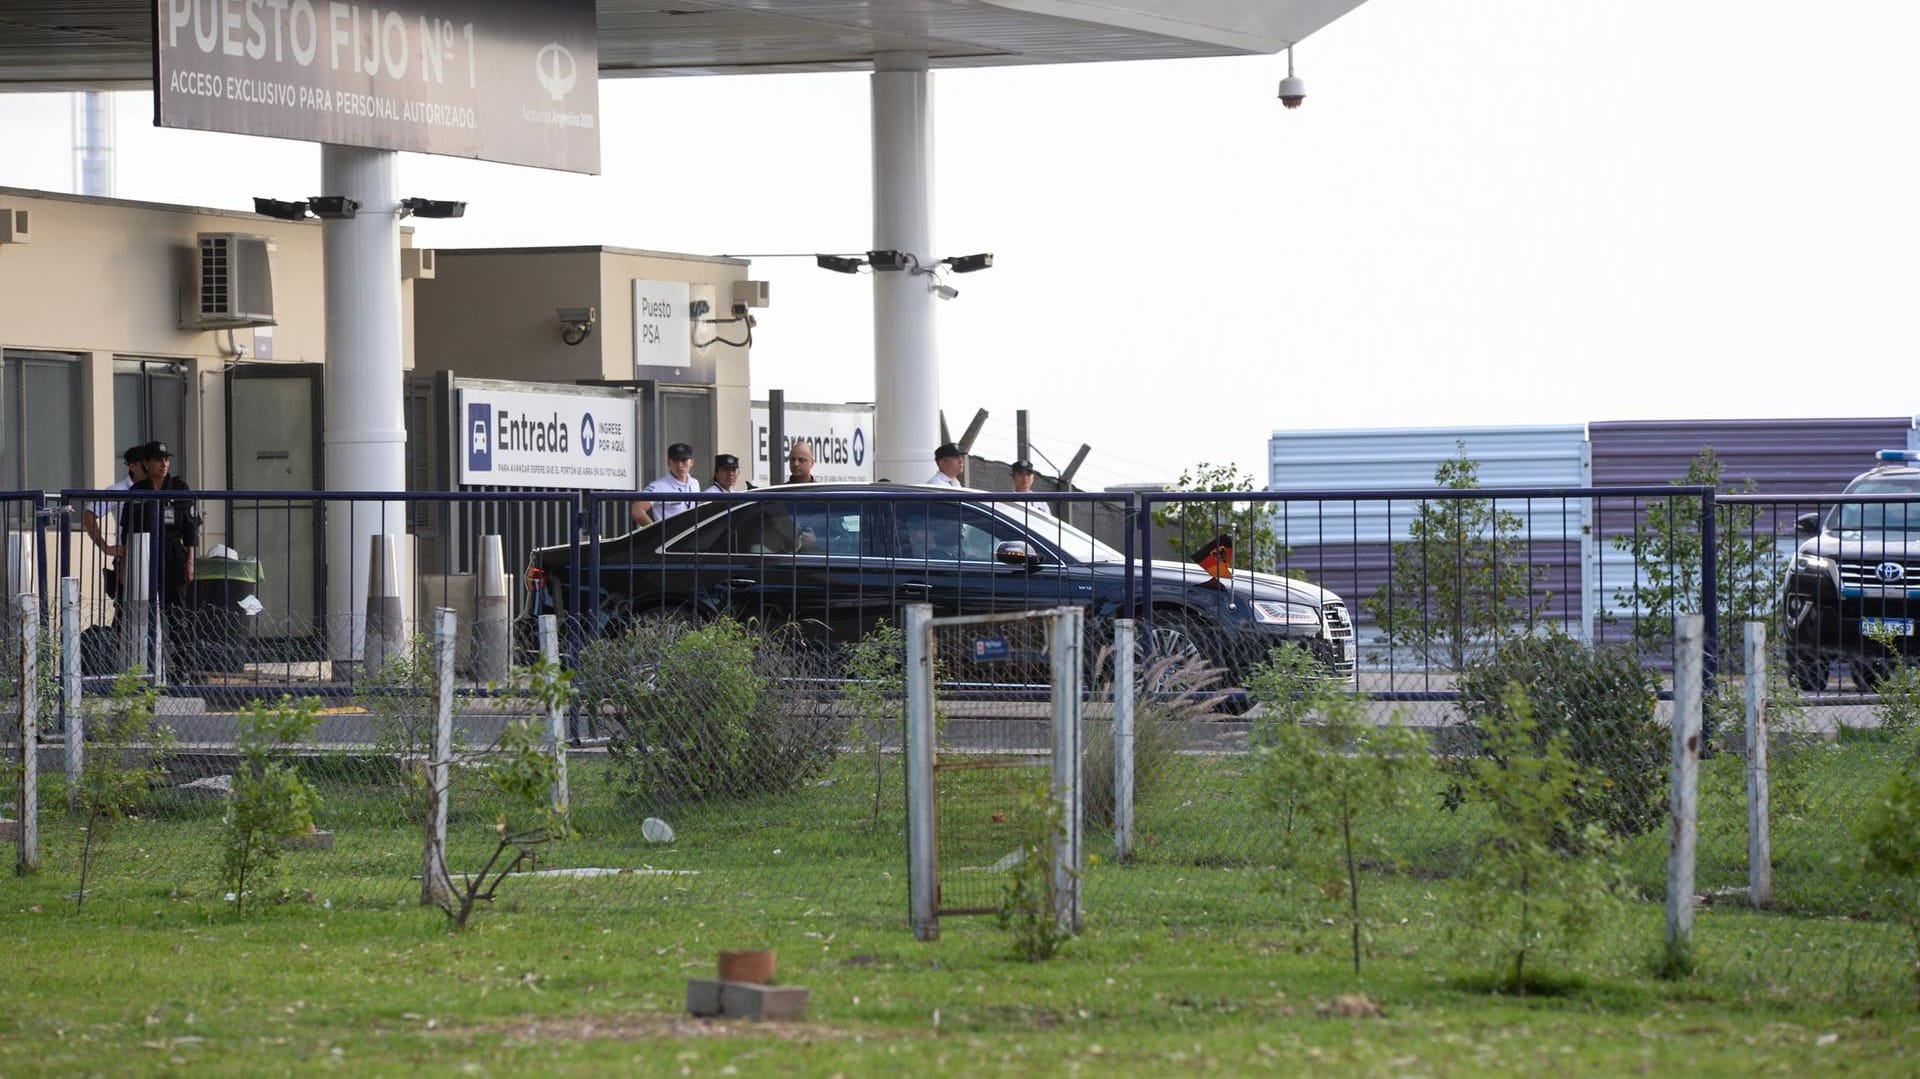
(229, 282)
(750, 294)
(416, 263)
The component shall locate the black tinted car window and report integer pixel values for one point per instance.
(950, 532)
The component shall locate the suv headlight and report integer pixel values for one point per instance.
(1813, 563)
(1281, 613)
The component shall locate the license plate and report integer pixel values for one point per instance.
(1347, 650)
(1899, 627)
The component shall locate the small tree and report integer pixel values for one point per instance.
(1190, 525)
(1341, 778)
(1026, 910)
(271, 801)
(1667, 553)
(521, 771)
(127, 755)
(1461, 579)
(1535, 875)
(876, 693)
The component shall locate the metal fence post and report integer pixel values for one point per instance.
(434, 885)
(73, 715)
(28, 606)
(1709, 594)
(556, 715)
(1689, 634)
(922, 887)
(1123, 738)
(1759, 828)
(1063, 638)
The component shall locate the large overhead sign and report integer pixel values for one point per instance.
(500, 80)
(841, 437)
(525, 437)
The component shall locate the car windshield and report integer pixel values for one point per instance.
(1872, 517)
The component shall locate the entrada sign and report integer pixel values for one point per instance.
(500, 80)
(520, 435)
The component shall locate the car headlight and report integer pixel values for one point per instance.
(1812, 563)
(1279, 612)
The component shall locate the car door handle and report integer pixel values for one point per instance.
(919, 588)
(732, 583)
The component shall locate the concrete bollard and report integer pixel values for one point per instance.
(386, 615)
(137, 606)
(493, 615)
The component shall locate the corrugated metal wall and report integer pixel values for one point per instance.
(1780, 456)
(1345, 545)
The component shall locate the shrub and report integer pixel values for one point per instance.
(271, 801)
(1601, 700)
(1182, 694)
(708, 713)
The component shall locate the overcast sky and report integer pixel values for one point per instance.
(1487, 212)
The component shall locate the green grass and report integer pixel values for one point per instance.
(1200, 955)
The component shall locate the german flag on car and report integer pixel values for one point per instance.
(1216, 557)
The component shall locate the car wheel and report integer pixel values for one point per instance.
(1809, 671)
(1867, 674)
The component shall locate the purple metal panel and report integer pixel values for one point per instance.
(1779, 455)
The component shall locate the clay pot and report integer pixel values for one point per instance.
(754, 967)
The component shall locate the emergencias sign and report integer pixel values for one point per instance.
(531, 438)
(500, 80)
(841, 437)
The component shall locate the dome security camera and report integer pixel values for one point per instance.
(1293, 90)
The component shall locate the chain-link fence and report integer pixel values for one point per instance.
(735, 707)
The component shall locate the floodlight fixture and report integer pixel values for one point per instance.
(838, 263)
(333, 207)
(891, 260)
(432, 208)
(281, 209)
(968, 263)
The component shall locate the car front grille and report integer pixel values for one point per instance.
(1867, 575)
(1339, 629)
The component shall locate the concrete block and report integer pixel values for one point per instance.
(742, 1000)
(314, 840)
(9, 831)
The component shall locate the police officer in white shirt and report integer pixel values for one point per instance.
(677, 480)
(948, 463)
(1022, 473)
(726, 472)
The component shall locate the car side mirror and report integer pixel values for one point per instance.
(1018, 553)
(1808, 524)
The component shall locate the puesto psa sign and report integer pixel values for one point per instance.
(501, 80)
(524, 438)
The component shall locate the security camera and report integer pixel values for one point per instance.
(945, 292)
(1293, 90)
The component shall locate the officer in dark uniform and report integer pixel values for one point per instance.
(177, 523)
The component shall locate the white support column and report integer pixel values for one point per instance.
(906, 368)
(366, 430)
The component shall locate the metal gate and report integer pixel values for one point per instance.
(985, 753)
